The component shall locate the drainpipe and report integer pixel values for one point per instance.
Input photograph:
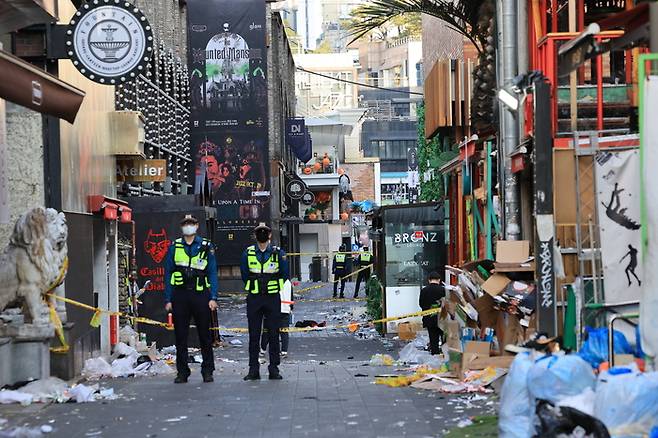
(653, 26)
(523, 49)
(508, 52)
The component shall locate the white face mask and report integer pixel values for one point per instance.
(189, 230)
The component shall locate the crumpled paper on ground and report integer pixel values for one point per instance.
(83, 393)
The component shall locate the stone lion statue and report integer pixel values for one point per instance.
(33, 261)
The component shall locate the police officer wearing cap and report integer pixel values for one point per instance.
(264, 269)
(364, 262)
(191, 292)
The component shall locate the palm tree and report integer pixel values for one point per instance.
(474, 19)
(461, 15)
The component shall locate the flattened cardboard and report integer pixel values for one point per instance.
(406, 331)
(480, 363)
(496, 284)
(480, 348)
(512, 251)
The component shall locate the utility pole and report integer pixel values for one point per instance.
(508, 65)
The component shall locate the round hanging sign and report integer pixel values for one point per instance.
(295, 189)
(308, 198)
(109, 41)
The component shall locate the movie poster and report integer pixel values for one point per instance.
(229, 120)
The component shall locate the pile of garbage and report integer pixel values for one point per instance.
(54, 390)
(552, 394)
(126, 361)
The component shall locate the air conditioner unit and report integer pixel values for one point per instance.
(127, 133)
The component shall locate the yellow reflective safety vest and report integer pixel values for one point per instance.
(340, 259)
(263, 275)
(365, 258)
(190, 271)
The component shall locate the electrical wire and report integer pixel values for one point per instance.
(361, 84)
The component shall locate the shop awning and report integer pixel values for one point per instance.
(634, 22)
(28, 86)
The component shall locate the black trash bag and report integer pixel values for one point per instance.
(563, 421)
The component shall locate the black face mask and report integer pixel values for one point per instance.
(262, 236)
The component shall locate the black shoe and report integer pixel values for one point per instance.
(356, 296)
(251, 377)
(180, 379)
(208, 378)
(335, 295)
(276, 376)
(342, 297)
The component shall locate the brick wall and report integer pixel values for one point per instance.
(362, 178)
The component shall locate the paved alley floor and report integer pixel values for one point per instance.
(328, 390)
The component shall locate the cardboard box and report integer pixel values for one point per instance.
(496, 284)
(480, 363)
(452, 335)
(475, 352)
(478, 348)
(624, 359)
(512, 251)
(406, 331)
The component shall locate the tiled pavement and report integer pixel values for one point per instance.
(327, 391)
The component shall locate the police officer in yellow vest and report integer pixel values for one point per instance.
(264, 269)
(340, 269)
(191, 291)
(365, 259)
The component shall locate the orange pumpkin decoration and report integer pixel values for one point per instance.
(312, 216)
(326, 161)
(317, 166)
(344, 216)
(307, 171)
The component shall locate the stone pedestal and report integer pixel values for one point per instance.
(24, 352)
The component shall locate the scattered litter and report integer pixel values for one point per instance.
(47, 390)
(10, 397)
(168, 350)
(176, 419)
(381, 360)
(96, 368)
(360, 375)
(22, 432)
(83, 394)
(235, 342)
(410, 354)
(465, 423)
(124, 367)
(223, 359)
(46, 428)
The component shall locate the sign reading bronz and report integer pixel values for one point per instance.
(141, 170)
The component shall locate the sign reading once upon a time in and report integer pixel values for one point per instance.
(109, 41)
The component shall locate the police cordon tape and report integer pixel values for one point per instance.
(352, 326)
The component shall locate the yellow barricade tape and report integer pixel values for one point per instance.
(320, 286)
(351, 326)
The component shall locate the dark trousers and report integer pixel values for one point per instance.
(362, 276)
(284, 322)
(189, 304)
(343, 279)
(261, 306)
(435, 334)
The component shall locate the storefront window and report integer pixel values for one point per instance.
(412, 252)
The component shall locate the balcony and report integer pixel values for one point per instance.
(604, 90)
(321, 171)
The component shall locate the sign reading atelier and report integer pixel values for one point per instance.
(141, 170)
(109, 41)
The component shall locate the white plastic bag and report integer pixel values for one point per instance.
(10, 397)
(555, 377)
(83, 394)
(96, 368)
(124, 367)
(516, 404)
(584, 402)
(46, 390)
(627, 403)
(122, 349)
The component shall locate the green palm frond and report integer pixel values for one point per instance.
(460, 15)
